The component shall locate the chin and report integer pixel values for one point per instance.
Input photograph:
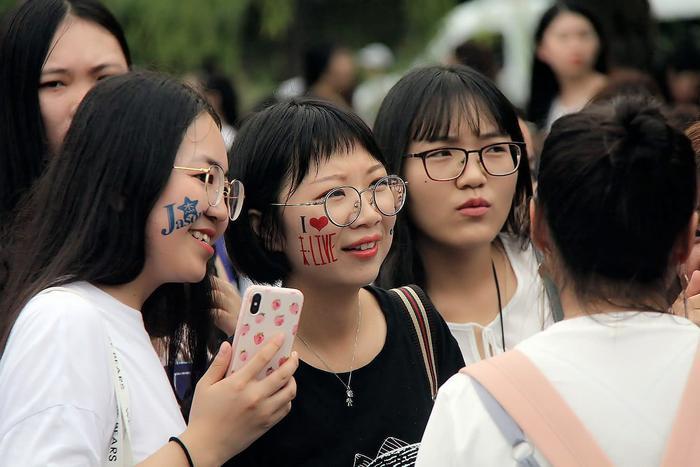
(192, 276)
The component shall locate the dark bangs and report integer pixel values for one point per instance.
(456, 99)
(315, 133)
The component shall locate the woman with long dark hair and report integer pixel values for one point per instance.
(125, 217)
(569, 64)
(464, 236)
(51, 53)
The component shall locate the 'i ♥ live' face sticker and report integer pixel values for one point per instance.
(316, 248)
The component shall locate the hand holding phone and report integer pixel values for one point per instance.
(265, 312)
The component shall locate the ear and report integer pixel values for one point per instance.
(686, 240)
(255, 217)
(539, 233)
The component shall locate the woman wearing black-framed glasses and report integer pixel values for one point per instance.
(464, 235)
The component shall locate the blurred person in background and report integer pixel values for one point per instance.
(682, 73)
(569, 65)
(330, 74)
(476, 54)
(51, 53)
(221, 93)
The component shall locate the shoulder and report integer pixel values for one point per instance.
(460, 429)
(57, 331)
(417, 315)
(62, 310)
(55, 368)
(521, 254)
(409, 307)
(401, 299)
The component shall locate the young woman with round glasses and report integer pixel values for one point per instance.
(463, 236)
(321, 207)
(126, 216)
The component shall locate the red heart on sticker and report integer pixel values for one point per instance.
(319, 223)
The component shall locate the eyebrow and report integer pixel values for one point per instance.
(95, 69)
(443, 138)
(208, 159)
(492, 134)
(374, 168)
(455, 140)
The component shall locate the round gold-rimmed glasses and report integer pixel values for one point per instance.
(218, 188)
(344, 203)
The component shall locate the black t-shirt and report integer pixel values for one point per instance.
(391, 399)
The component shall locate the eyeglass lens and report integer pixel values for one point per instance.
(448, 164)
(343, 204)
(218, 188)
(234, 199)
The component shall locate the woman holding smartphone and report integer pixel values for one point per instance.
(320, 218)
(126, 215)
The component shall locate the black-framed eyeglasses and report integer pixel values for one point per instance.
(344, 203)
(218, 188)
(497, 159)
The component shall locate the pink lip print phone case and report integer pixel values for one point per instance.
(265, 312)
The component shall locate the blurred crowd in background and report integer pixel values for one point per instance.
(246, 54)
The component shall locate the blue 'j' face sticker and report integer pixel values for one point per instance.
(189, 215)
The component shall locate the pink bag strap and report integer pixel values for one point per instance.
(683, 447)
(531, 400)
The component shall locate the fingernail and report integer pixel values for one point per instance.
(295, 354)
(221, 348)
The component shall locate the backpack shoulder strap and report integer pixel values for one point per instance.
(411, 300)
(523, 453)
(683, 447)
(531, 400)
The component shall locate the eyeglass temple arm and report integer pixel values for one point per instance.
(195, 169)
(310, 203)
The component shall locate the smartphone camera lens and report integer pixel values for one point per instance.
(255, 305)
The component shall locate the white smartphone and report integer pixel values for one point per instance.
(265, 312)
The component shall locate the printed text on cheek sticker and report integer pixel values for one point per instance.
(316, 249)
(187, 211)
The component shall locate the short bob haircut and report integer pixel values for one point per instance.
(275, 148)
(25, 38)
(85, 218)
(617, 186)
(544, 85)
(421, 107)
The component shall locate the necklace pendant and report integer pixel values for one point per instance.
(349, 395)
